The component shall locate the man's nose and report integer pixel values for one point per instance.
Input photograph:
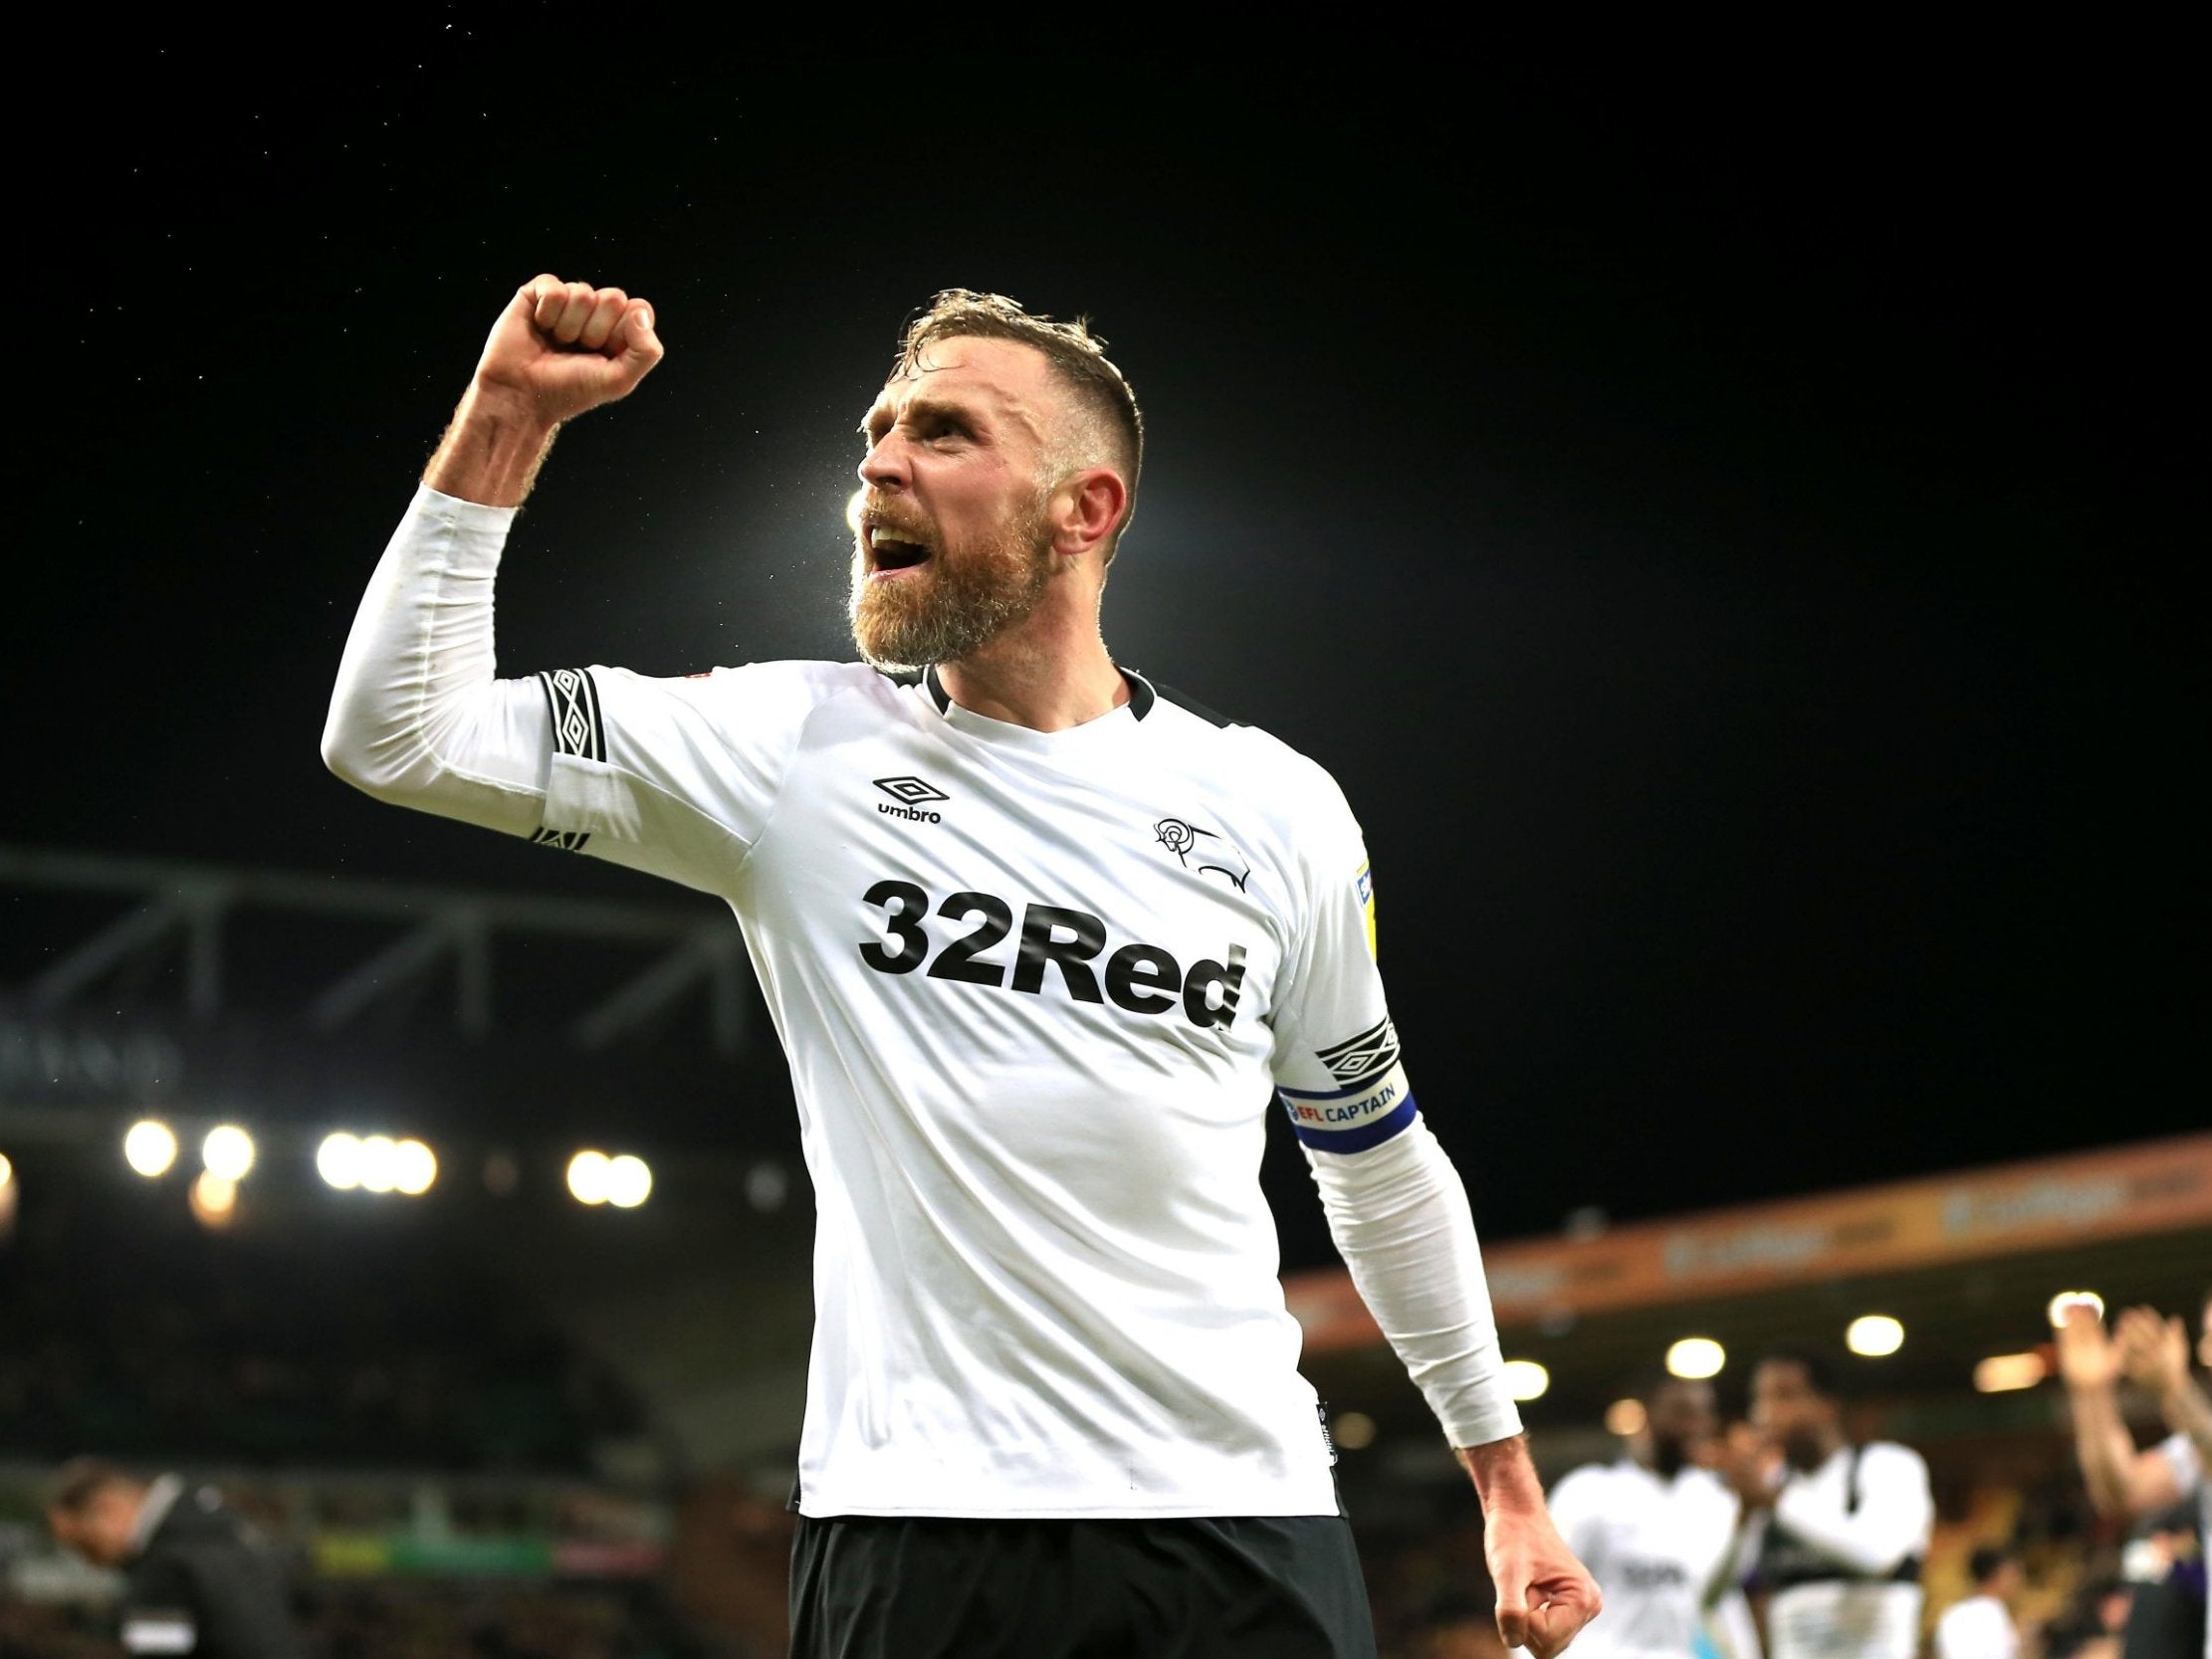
(884, 467)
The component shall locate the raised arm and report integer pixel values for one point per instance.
(2154, 1353)
(2120, 1480)
(558, 349)
(417, 716)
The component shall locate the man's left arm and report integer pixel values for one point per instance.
(1399, 1216)
(1398, 1213)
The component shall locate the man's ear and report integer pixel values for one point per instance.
(1092, 505)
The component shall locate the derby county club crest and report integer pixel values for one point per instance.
(1203, 851)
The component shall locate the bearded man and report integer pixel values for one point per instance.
(1036, 935)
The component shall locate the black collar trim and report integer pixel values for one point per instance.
(1141, 695)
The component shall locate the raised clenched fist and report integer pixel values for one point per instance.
(561, 349)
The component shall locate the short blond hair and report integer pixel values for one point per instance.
(1078, 359)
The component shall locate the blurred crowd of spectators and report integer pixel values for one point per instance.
(416, 1622)
(379, 1346)
(1432, 1596)
(2081, 1585)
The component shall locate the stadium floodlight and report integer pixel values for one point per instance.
(379, 1164)
(628, 1182)
(339, 1160)
(1525, 1379)
(1874, 1336)
(414, 1168)
(2001, 1373)
(1624, 1417)
(2056, 1313)
(214, 1199)
(228, 1152)
(1697, 1358)
(587, 1176)
(149, 1148)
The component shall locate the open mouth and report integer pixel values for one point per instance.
(888, 552)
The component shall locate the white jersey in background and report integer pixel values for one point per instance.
(1036, 989)
(1658, 1547)
(1979, 1627)
(1841, 1553)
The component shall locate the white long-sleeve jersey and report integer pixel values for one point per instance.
(1841, 1553)
(1659, 1549)
(1034, 989)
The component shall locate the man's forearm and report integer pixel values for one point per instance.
(1399, 1216)
(2102, 1442)
(2188, 1410)
(493, 450)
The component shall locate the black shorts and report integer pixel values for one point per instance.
(1259, 1587)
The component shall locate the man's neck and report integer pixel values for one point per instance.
(1048, 674)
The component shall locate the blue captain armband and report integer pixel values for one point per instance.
(1355, 1119)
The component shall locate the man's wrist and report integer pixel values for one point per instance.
(1502, 1474)
(491, 452)
(2179, 1401)
(508, 405)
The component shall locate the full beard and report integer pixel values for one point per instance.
(958, 602)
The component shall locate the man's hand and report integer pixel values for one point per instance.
(2087, 1359)
(561, 349)
(1750, 1462)
(1544, 1595)
(2153, 1352)
(558, 349)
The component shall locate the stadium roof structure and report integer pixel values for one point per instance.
(1968, 1264)
(209, 992)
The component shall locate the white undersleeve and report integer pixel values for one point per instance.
(1399, 1216)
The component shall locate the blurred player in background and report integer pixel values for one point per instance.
(198, 1581)
(1980, 1625)
(1834, 1532)
(1658, 1533)
(2152, 1352)
(1036, 935)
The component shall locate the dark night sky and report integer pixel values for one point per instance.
(1728, 546)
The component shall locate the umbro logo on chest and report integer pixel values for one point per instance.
(913, 796)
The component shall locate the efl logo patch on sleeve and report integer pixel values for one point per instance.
(1364, 883)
